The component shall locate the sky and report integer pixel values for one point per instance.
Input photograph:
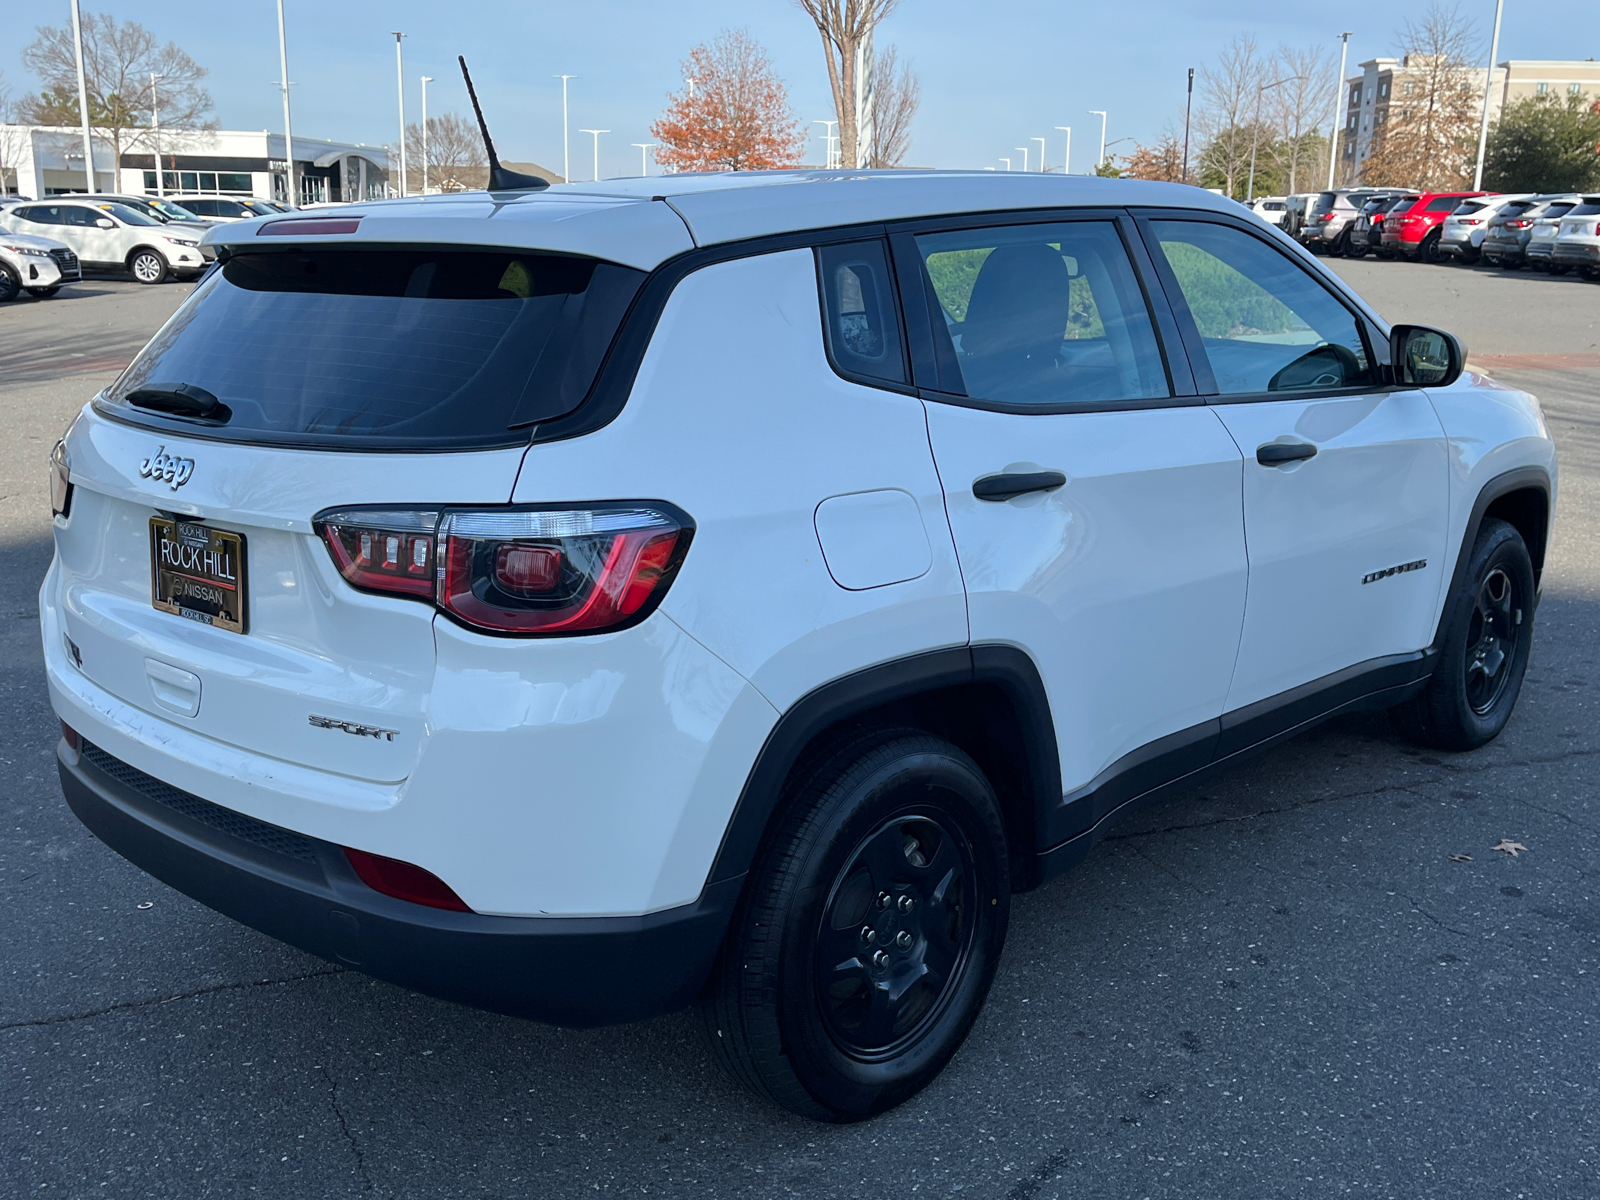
(995, 74)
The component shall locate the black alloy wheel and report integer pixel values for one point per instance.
(869, 931)
(1428, 251)
(1483, 653)
(9, 286)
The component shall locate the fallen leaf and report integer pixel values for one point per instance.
(1509, 847)
(1461, 858)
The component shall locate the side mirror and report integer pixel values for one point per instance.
(1425, 357)
(106, 223)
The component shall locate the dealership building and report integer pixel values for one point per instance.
(40, 160)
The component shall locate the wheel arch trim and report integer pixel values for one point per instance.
(1518, 479)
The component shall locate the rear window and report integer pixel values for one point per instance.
(407, 348)
(1516, 208)
(1324, 202)
(1587, 207)
(1468, 206)
(1559, 209)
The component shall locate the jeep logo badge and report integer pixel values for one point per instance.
(167, 468)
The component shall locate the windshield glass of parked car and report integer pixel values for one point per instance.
(403, 347)
(127, 215)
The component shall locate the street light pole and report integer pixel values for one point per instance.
(1066, 162)
(644, 163)
(155, 129)
(426, 80)
(289, 193)
(597, 133)
(1095, 112)
(1041, 153)
(566, 151)
(1488, 90)
(83, 104)
(1338, 94)
(1007, 162)
(1024, 150)
(1188, 106)
(827, 158)
(400, 91)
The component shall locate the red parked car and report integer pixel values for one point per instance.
(1414, 231)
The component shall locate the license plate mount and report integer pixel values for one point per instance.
(198, 571)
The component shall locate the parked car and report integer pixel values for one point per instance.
(35, 264)
(1295, 208)
(1542, 237)
(1271, 209)
(1414, 231)
(641, 702)
(1461, 234)
(228, 208)
(1366, 235)
(109, 236)
(162, 209)
(1577, 242)
(1509, 235)
(1332, 218)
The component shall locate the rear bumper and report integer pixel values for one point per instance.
(575, 971)
(1572, 251)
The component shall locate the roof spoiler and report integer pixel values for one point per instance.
(500, 179)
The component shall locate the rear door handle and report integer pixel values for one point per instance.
(1275, 454)
(1008, 487)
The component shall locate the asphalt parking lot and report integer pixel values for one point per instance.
(1281, 986)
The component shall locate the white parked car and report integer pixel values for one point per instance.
(1577, 242)
(35, 264)
(227, 208)
(1271, 209)
(1461, 234)
(110, 236)
(730, 589)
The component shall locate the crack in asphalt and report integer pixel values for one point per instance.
(1028, 1187)
(344, 1128)
(65, 1018)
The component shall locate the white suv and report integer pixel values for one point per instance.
(111, 236)
(37, 264)
(731, 589)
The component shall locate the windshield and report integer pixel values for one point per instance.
(258, 207)
(128, 215)
(173, 212)
(430, 349)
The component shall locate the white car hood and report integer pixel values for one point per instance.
(29, 240)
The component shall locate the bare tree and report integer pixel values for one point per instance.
(896, 95)
(1429, 137)
(845, 25)
(1296, 104)
(1227, 111)
(118, 59)
(453, 143)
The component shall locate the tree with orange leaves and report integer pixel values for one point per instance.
(734, 114)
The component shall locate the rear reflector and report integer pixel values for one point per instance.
(403, 880)
(70, 735)
(308, 226)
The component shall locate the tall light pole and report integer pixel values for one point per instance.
(597, 133)
(1255, 133)
(83, 103)
(155, 129)
(1488, 90)
(1188, 105)
(426, 80)
(1041, 153)
(1007, 162)
(827, 159)
(289, 194)
(1024, 150)
(1095, 112)
(1066, 163)
(566, 149)
(400, 90)
(644, 163)
(1338, 95)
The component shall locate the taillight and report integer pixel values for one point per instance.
(1469, 220)
(60, 481)
(1518, 224)
(521, 571)
(1328, 216)
(404, 881)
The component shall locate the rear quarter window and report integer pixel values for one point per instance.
(393, 347)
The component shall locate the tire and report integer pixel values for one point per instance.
(1428, 248)
(10, 286)
(43, 293)
(1478, 675)
(893, 841)
(147, 266)
(1341, 248)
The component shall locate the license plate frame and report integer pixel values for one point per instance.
(198, 572)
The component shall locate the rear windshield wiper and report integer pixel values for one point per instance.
(181, 400)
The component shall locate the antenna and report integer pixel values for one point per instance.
(500, 179)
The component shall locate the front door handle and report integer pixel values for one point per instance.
(1275, 454)
(1009, 487)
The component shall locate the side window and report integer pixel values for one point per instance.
(1267, 325)
(1043, 314)
(78, 215)
(863, 329)
(41, 214)
(201, 208)
(229, 208)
